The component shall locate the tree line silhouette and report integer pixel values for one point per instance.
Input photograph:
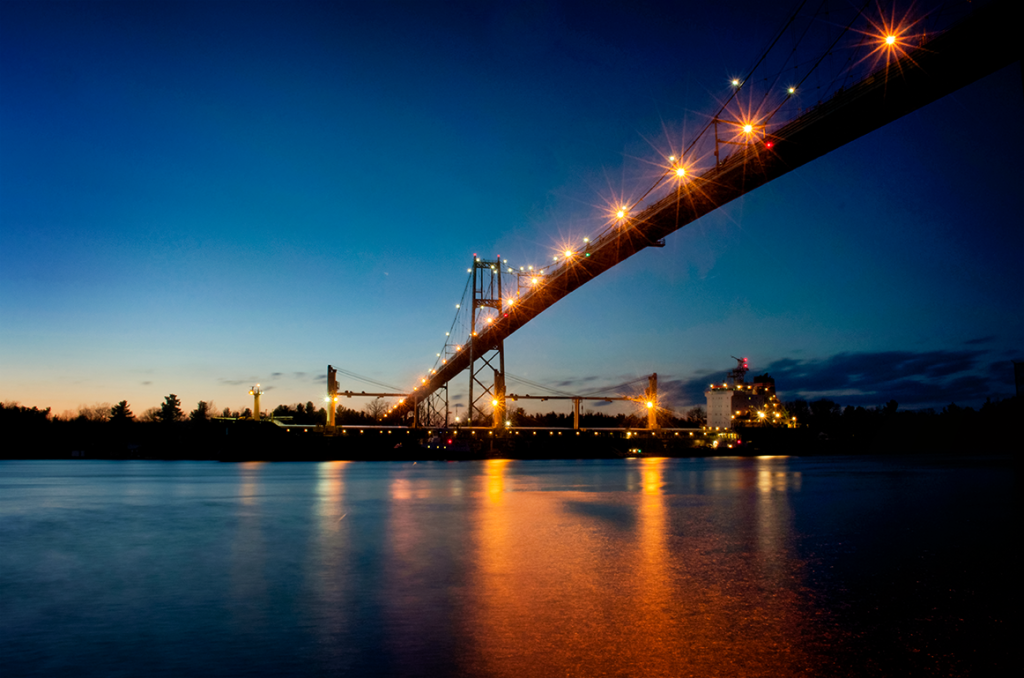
(825, 426)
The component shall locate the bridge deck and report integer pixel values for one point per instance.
(977, 47)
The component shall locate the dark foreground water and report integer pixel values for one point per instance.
(653, 567)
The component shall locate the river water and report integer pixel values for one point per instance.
(638, 567)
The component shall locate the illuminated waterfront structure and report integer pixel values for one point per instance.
(734, 400)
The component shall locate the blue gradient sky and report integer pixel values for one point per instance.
(196, 197)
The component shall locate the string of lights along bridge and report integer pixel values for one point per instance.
(822, 82)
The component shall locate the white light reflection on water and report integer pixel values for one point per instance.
(248, 601)
(330, 588)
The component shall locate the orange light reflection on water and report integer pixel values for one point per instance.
(636, 582)
(331, 489)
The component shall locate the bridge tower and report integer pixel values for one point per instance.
(486, 295)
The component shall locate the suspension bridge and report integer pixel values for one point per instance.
(889, 67)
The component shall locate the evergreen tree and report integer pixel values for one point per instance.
(120, 413)
(201, 413)
(170, 411)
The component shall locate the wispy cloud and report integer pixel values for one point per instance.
(580, 381)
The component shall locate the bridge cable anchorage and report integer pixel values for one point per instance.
(334, 392)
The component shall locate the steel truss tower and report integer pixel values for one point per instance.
(487, 294)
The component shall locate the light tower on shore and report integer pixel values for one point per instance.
(332, 395)
(256, 392)
(651, 401)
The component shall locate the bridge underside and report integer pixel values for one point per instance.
(979, 46)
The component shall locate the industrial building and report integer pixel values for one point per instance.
(735, 401)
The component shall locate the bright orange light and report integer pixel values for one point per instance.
(748, 128)
(621, 214)
(568, 253)
(735, 82)
(680, 172)
(889, 38)
(649, 404)
(533, 281)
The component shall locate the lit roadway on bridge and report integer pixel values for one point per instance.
(978, 47)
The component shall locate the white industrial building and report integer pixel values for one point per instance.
(735, 401)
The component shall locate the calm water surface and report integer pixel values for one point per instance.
(652, 567)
